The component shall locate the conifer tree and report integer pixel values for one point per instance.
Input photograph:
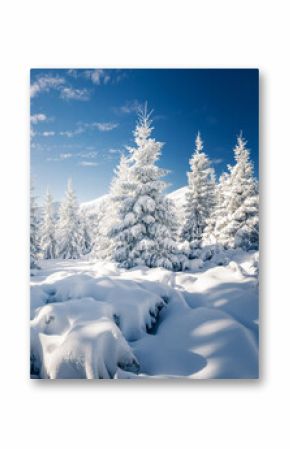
(237, 225)
(215, 218)
(86, 233)
(69, 233)
(200, 197)
(48, 237)
(143, 233)
(34, 231)
(108, 212)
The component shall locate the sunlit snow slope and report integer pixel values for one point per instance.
(92, 320)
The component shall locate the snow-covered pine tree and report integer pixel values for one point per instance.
(144, 231)
(48, 238)
(34, 231)
(200, 198)
(210, 231)
(86, 233)
(120, 185)
(69, 232)
(237, 224)
(108, 212)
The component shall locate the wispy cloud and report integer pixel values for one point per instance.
(128, 108)
(61, 157)
(99, 76)
(48, 133)
(82, 127)
(70, 93)
(75, 132)
(88, 164)
(36, 118)
(217, 161)
(64, 156)
(45, 83)
(88, 154)
(104, 126)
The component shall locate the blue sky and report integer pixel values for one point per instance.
(81, 119)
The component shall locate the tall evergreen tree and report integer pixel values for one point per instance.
(120, 184)
(143, 233)
(34, 231)
(200, 197)
(238, 223)
(48, 237)
(69, 233)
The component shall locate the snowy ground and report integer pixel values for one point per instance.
(92, 320)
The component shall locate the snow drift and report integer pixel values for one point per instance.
(93, 320)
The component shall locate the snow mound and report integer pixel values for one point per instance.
(94, 320)
(136, 305)
(89, 350)
(200, 343)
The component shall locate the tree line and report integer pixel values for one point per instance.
(140, 225)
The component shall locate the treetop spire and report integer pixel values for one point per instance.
(144, 115)
(198, 142)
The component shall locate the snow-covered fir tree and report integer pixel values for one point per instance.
(48, 238)
(69, 232)
(86, 242)
(143, 233)
(237, 224)
(34, 231)
(214, 220)
(200, 198)
(120, 185)
(108, 211)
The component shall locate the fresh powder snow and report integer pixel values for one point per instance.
(95, 320)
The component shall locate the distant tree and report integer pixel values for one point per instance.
(200, 197)
(34, 231)
(217, 215)
(48, 238)
(86, 233)
(143, 233)
(108, 211)
(69, 232)
(237, 224)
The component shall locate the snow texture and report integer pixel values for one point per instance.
(95, 320)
